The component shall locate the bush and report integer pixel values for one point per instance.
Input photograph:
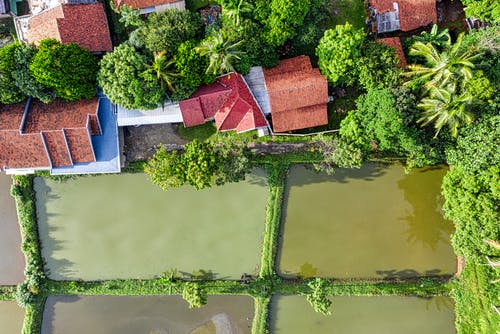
(24, 296)
(318, 297)
(194, 294)
(339, 51)
(69, 70)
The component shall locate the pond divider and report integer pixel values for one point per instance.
(38, 287)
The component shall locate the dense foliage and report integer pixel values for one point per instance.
(125, 82)
(487, 10)
(69, 70)
(9, 91)
(194, 294)
(318, 297)
(23, 78)
(166, 30)
(338, 52)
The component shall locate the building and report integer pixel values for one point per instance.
(149, 6)
(84, 24)
(294, 93)
(77, 137)
(228, 101)
(404, 15)
(395, 42)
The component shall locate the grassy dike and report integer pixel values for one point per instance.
(261, 288)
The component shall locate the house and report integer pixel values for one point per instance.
(294, 93)
(228, 101)
(395, 42)
(149, 6)
(77, 137)
(85, 24)
(404, 15)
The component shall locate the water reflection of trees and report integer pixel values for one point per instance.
(425, 224)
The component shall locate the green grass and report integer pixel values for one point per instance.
(352, 11)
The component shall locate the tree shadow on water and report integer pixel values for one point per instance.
(425, 224)
(49, 312)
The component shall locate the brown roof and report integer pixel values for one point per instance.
(55, 134)
(84, 24)
(413, 14)
(395, 42)
(139, 4)
(293, 88)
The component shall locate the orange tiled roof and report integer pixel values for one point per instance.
(297, 93)
(84, 24)
(55, 134)
(139, 4)
(395, 42)
(413, 14)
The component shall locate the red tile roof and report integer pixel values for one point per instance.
(139, 4)
(297, 94)
(55, 134)
(395, 42)
(413, 14)
(84, 24)
(229, 101)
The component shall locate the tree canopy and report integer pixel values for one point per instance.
(165, 31)
(125, 82)
(69, 70)
(338, 52)
(9, 91)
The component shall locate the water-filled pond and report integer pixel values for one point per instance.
(364, 315)
(11, 258)
(146, 315)
(375, 222)
(11, 317)
(122, 226)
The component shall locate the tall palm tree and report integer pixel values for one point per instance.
(221, 52)
(436, 37)
(234, 8)
(453, 65)
(445, 106)
(162, 69)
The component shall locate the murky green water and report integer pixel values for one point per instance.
(11, 258)
(373, 222)
(122, 226)
(11, 317)
(364, 315)
(146, 315)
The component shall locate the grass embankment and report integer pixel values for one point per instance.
(475, 293)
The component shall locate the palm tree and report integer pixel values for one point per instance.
(445, 106)
(221, 52)
(234, 10)
(439, 38)
(161, 68)
(453, 65)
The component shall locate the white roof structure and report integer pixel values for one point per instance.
(257, 84)
(168, 113)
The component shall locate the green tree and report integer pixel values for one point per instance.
(378, 66)
(124, 81)
(472, 200)
(480, 86)
(318, 295)
(162, 68)
(131, 18)
(439, 38)
(233, 163)
(445, 106)
(221, 52)
(234, 9)
(67, 69)
(23, 77)
(192, 67)
(338, 51)
(9, 91)
(453, 65)
(487, 10)
(194, 294)
(285, 16)
(478, 146)
(196, 166)
(168, 29)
